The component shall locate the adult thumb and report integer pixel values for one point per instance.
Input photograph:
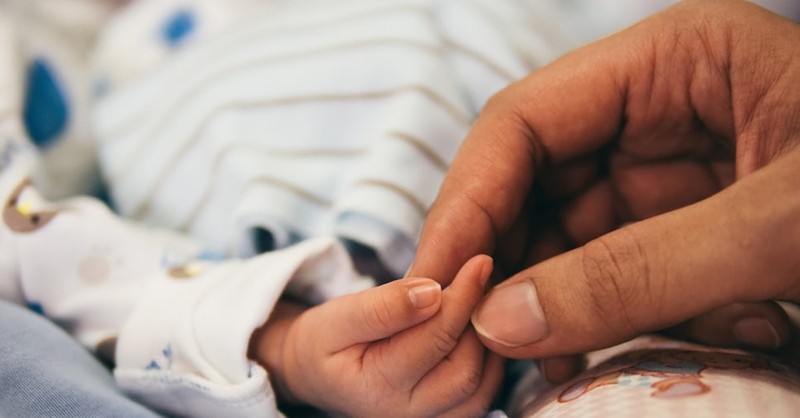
(736, 246)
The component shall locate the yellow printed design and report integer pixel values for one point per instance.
(19, 216)
(186, 271)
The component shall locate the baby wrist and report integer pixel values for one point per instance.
(269, 346)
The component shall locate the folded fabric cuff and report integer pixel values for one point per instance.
(188, 395)
(190, 334)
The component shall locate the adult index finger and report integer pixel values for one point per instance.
(569, 108)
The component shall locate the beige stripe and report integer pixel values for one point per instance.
(405, 194)
(321, 201)
(9, 113)
(423, 149)
(271, 181)
(417, 144)
(280, 184)
(479, 57)
(221, 48)
(448, 107)
(208, 190)
(321, 25)
(476, 55)
(488, 12)
(164, 117)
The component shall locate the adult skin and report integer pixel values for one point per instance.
(648, 181)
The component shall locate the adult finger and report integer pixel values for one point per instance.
(560, 369)
(762, 326)
(736, 246)
(661, 88)
(568, 108)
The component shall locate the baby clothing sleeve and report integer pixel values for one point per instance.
(182, 329)
(181, 324)
(183, 348)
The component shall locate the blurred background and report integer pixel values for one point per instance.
(590, 19)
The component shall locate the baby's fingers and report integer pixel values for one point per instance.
(377, 313)
(410, 355)
(466, 380)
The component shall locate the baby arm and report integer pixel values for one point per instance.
(401, 349)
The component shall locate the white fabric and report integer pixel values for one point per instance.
(314, 120)
(182, 327)
(303, 115)
(63, 33)
(587, 20)
(307, 118)
(200, 326)
(101, 277)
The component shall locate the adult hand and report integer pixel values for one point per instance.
(657, 174)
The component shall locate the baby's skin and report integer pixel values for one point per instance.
(404, 349)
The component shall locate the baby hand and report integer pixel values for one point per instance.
(403, 349)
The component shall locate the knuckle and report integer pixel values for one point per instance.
(618, 280)
(467, 382)
(378, 315)
(444, 340)
(461, 392)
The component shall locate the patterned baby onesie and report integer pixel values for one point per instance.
(312, 123)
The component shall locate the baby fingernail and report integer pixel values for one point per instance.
(424, 294)
(511, 315)
(756, 332)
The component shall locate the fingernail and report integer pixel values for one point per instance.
(511, 315)
(424, 294)
(486, 270)
(756, 332)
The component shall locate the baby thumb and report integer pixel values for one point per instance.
(379, 312)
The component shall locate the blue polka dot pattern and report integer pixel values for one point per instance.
(179, 26)
(36, 307)
(46, 111)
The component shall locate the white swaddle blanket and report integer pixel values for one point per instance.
(307, 120)
(301, 118)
